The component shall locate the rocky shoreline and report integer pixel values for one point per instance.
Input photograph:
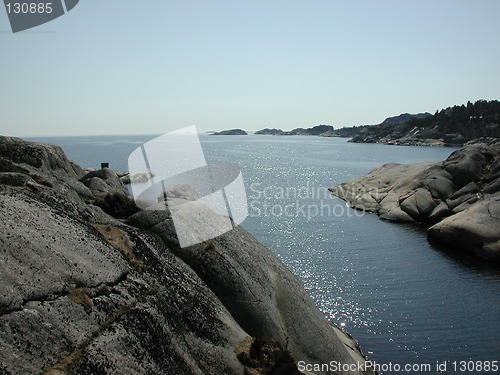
(92, 285)
(459, 198)
(453, 126)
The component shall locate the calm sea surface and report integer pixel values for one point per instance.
(406, 301)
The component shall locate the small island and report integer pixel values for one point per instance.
(231, 132)
(321, 130)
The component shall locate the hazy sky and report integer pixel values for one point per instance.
(127, 67)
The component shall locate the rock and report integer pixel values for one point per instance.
(389, 209)
(45, 257)
(102, 182)
(468, 164)
(440, 185)
(490, 141)
(489, 251)
(260, 293)
(464, 184)
(462, 202)
(492, 179)
(127, 178)
(492, 187)
(466, 204)
(476, 228)
(41, 157)
(318, 130)
(45, 164)
(182, 192)
(17, 179)
(440, 211)
(377, 192)
(146, 219)
(84, 293)
(471, 188)
(418, 204)
(454, 139)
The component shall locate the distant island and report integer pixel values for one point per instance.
(321, 130)
(451, 126)
(230, 132)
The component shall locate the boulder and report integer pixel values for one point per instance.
(418, 203)
(102, 182)
(468, 164)
(127, 178)
(440, 211)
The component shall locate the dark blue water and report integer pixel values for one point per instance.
(406, 301)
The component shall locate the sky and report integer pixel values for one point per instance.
(149, 67)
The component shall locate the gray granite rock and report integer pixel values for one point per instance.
(461, 189)
(45, 164)
(475, 228)
(127, 178)
(263, 297)
(41, 157)
(102, 182)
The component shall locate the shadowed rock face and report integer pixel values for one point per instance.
(460, 196)
(84, 293)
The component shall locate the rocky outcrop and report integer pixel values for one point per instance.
(85, 293)
(460, 197)
(231, 132)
